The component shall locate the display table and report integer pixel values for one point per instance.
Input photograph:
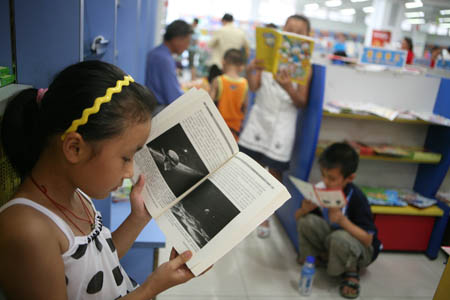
(141, 259)
(409, 228)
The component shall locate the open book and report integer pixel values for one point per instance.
(320, 196)
(203, 193)
(285, 50)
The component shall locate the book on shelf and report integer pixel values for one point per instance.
(284, 50)
(319, 195)
(203, 193)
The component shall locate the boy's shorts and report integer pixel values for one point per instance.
(265, 161)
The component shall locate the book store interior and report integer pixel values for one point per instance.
(305, 153)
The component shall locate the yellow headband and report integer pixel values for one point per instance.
(96, 107)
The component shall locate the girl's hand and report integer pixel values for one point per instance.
(138, 209)
(255, 64)
(284, 79)
(171, 273)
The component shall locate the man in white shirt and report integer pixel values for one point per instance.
(225, 38)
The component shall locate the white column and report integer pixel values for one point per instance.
(387, 15)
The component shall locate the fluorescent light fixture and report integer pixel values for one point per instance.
(445, 12)
(416, 21)
(444, 20)
(414, 4)
(311, 6)
(333, 3)
(368, 9)
(444, 25)
(348, 11)
(414, 14)
(359, 0)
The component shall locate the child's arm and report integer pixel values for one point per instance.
(306, 208)
(254, 73)
(299, 95)
(245, 103)
(31, 265)
(128, 231)
(213, 90)
(336, 216)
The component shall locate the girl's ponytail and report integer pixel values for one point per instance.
(19, 131)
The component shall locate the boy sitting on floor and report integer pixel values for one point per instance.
(344, 237)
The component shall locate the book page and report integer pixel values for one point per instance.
(306, 189)
(222, 211)
(319, 195)
(189, 139)
(293, 53)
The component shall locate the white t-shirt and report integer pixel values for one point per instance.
(227, 37)
(91, 263)
(271, 125)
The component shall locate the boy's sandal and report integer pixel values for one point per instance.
(351, 284)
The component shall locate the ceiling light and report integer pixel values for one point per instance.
(348, 11)
(359, 0)
(311, 6)
(414, 4)
(333, 3)
(444, 20)
(444, 25)
(445, 12)
(416, 21)
(368, 9)
(415, 14)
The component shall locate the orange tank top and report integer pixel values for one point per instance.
(231, 95)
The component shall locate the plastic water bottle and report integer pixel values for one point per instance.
(307, 276)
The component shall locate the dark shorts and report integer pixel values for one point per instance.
(265, 161)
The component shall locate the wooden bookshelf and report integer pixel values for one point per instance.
(373, 118)
(388, 158)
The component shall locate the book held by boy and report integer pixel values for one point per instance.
(203, 193)
(285, 50)
(322, 197)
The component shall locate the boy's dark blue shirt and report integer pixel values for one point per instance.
(359, 213)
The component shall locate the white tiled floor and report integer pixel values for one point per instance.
(260, 269)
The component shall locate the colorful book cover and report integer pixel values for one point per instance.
(284, 50)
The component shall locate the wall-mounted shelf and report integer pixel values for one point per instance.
(388, 158)
(373, 118)
(8, 91)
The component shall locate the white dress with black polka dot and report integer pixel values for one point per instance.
(91, 263)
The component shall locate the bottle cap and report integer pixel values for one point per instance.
(310, 259)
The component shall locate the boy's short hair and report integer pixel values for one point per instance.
(234, 57)
(177, 28)
(340, 155)
(301, 18)
(227, 18)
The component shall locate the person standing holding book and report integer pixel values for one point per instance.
(343, 238)
(269, 133)
(230, 91)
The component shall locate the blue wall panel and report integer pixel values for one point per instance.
(442, 104)
(47, 39)
(308, 127)
(99, 20)
(5, 36)
(127, 37)
(146, 34)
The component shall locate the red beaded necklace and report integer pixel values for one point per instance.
(62, 208)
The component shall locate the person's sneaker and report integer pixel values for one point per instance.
(263, 231)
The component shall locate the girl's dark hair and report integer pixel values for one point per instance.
(302, 18)
(27, 125)
(342, 156)
(409, 42)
